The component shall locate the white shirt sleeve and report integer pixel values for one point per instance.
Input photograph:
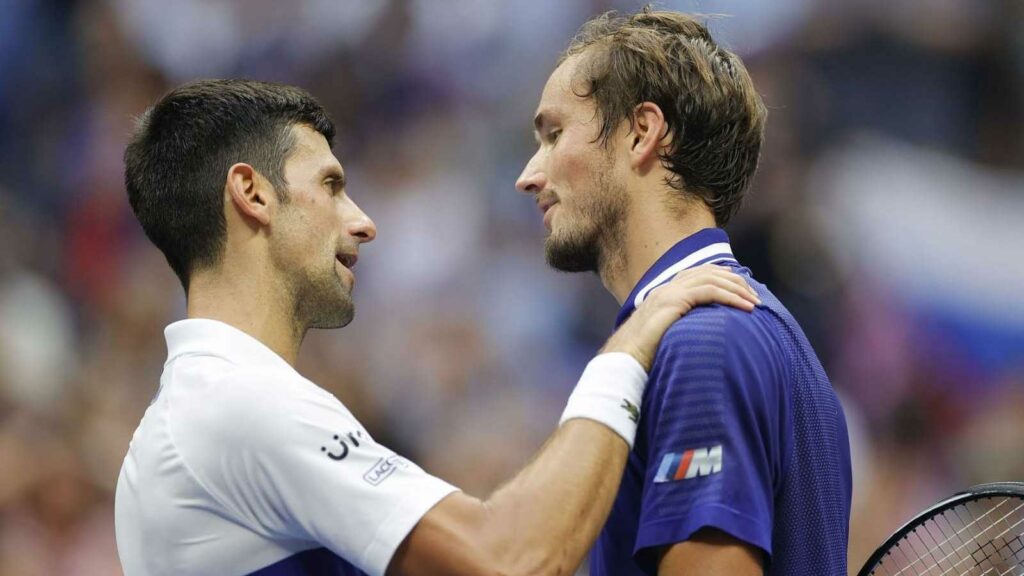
(288, 460)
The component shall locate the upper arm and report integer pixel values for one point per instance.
(293, 464)
(445, 541)
(711, 552)
(542, 521)
(715, 433)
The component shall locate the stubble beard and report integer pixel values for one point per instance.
(317, 295)
(323, 301)
(592, 239)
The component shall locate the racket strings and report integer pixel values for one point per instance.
(1008, 571)
(975, 538)
(929, 550)
(995, 550)
(1014, 553)
(927, 553)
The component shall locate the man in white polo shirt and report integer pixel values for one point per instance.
(241, 465)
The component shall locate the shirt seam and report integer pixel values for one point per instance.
(777, 334)
(684, 518)
(689, 513)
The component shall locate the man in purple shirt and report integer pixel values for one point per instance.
(648, 137)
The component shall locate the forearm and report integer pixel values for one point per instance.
(548, 515)
(544, 520)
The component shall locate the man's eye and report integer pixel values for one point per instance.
(553, 136)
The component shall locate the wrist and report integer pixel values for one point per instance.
(610, 391)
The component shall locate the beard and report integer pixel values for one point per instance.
(322, 301)
(588, 236)
(317, 295)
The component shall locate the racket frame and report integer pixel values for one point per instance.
(990, 490)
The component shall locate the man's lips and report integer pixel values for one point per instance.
(548, 211)
(347, 260)
(545, 204)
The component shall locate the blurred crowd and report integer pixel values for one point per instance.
(887, 215)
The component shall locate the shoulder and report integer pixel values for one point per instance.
(724, 329)
(723, 347)
(249, 409)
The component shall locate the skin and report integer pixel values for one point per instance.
(281, 274)
(573, 178)
(573, 170)
(544, 520)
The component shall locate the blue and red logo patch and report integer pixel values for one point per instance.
(690, 464)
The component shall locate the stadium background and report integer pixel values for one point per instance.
(887, 215)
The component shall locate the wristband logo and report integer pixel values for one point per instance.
(689, 464)
(352, 437)
(634, 411)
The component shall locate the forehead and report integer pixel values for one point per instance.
(310, 149)
(561, 92)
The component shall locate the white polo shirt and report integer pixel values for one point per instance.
(241, 466)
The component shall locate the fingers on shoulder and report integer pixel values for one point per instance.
(718, 286)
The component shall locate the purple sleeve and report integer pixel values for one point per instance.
(714, 429)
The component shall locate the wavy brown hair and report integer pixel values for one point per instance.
(715, 117)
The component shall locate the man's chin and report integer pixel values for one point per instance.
(571, 257)
(331, 323)
(337, 314)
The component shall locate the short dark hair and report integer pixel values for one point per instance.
(715, 116)
(177, 160)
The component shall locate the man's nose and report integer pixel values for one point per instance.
(532, 180)
(361, 226)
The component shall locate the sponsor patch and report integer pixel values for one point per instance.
(384, 468)
(342, 445)
(690, 464)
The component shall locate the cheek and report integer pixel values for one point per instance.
(306, 233)
(321, 216)
(567, 171)
(581, 177)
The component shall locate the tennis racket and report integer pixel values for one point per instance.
(979, 532)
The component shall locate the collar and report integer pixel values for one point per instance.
(710, 245)
(201, 336)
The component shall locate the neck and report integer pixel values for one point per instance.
(247, 306)
(652, 226)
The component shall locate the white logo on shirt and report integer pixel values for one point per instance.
(353, 437)
(384, 468)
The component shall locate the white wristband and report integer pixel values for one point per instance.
(609, 392)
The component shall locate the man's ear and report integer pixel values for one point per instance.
(649, 135)
(250, 193)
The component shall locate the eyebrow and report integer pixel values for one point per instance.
(335, 172)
